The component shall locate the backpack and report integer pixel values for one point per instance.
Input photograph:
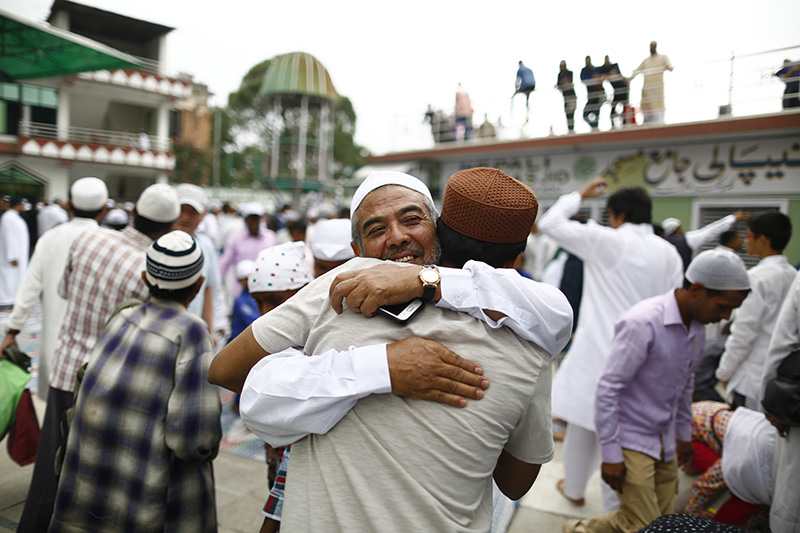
(782, 394)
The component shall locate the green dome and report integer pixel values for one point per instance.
(298, 73)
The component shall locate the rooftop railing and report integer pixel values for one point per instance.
(77, 135)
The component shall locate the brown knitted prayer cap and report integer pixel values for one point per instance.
(489, 205)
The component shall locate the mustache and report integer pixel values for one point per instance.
(409, 248)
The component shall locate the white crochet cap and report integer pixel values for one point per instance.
(174, 261)
(159, 203)
(386, 177)
(244, 268)
(88, 194)
(670, 225)
(719, 270)
(193, 196)
(251, 208)
(332, 240)
(280, 268)
(116, 217)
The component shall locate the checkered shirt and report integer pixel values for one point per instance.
(104, 268)
(145, 430)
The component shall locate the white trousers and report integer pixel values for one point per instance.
(581, 455)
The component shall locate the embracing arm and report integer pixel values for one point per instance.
(287, 396)
(230, 367)
(500, 297)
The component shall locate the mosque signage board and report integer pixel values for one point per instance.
(749, 167)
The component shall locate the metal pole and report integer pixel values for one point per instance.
(217, 142)
(730, 86)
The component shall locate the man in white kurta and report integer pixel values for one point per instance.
(623, 264)
(14, 249)
(784, 514)
(653, 68)
(742, 362)
(87, 202)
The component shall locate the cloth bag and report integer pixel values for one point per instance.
(12, 382)
(23, 439)
(782, 394)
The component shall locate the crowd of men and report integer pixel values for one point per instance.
(394, 424)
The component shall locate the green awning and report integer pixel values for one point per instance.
(31, 50)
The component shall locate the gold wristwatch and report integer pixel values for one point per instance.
(430, 278)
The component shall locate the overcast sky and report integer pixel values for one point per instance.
(392, 60)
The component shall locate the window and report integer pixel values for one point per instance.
(705, 212)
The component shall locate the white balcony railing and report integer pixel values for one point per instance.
(74, 134)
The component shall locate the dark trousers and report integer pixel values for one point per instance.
(591, 111)
(41, 498)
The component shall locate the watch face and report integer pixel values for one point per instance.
(429, 275)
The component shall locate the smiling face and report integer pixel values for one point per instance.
(394, 224)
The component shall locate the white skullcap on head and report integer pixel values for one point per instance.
(174, 261)
(670, 225)
(117, 217)
(332, 240)
(244, 268)
(280, 268)
(251, 208)
(193, 196)
(88, 194)
(159, 203)
(719, 270)
(386, 177)
(214, 205)
(128, 206)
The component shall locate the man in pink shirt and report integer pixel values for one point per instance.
(246, 244)
(643, 410)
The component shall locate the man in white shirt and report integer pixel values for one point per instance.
(14, 251)
(87, 204)
(447, 484)
(653, 68)
(742, 362)
(622, 265)
(784, 516)
(691, 241)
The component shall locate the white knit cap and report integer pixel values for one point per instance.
(193, 196)
(386, 177)
(244, 268)
(174, 261)
(670, 225)
(280, 268)
(719, 270)
(117, 217)
(251, 208)
(159, 203)
(88, 194)
(332, 240)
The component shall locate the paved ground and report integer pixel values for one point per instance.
(241, 490)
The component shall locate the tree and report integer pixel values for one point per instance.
(251, 124)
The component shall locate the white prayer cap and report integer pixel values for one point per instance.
(386, 177)
(116, 217)
(251, 208)
(719, 270)
(280, 268)
(244, 268)
(88, 194)
(670, 225)
(332, 240)
(174, 261)
(193, 196)
(214, 205)
(159, 203)
(128, 206)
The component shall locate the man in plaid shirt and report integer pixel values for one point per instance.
(103, 269)
(147, 423)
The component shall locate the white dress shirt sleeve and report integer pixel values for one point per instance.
(287, 395)
(535, 311)
(29, 292)
(697, 238)
(744, 330)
